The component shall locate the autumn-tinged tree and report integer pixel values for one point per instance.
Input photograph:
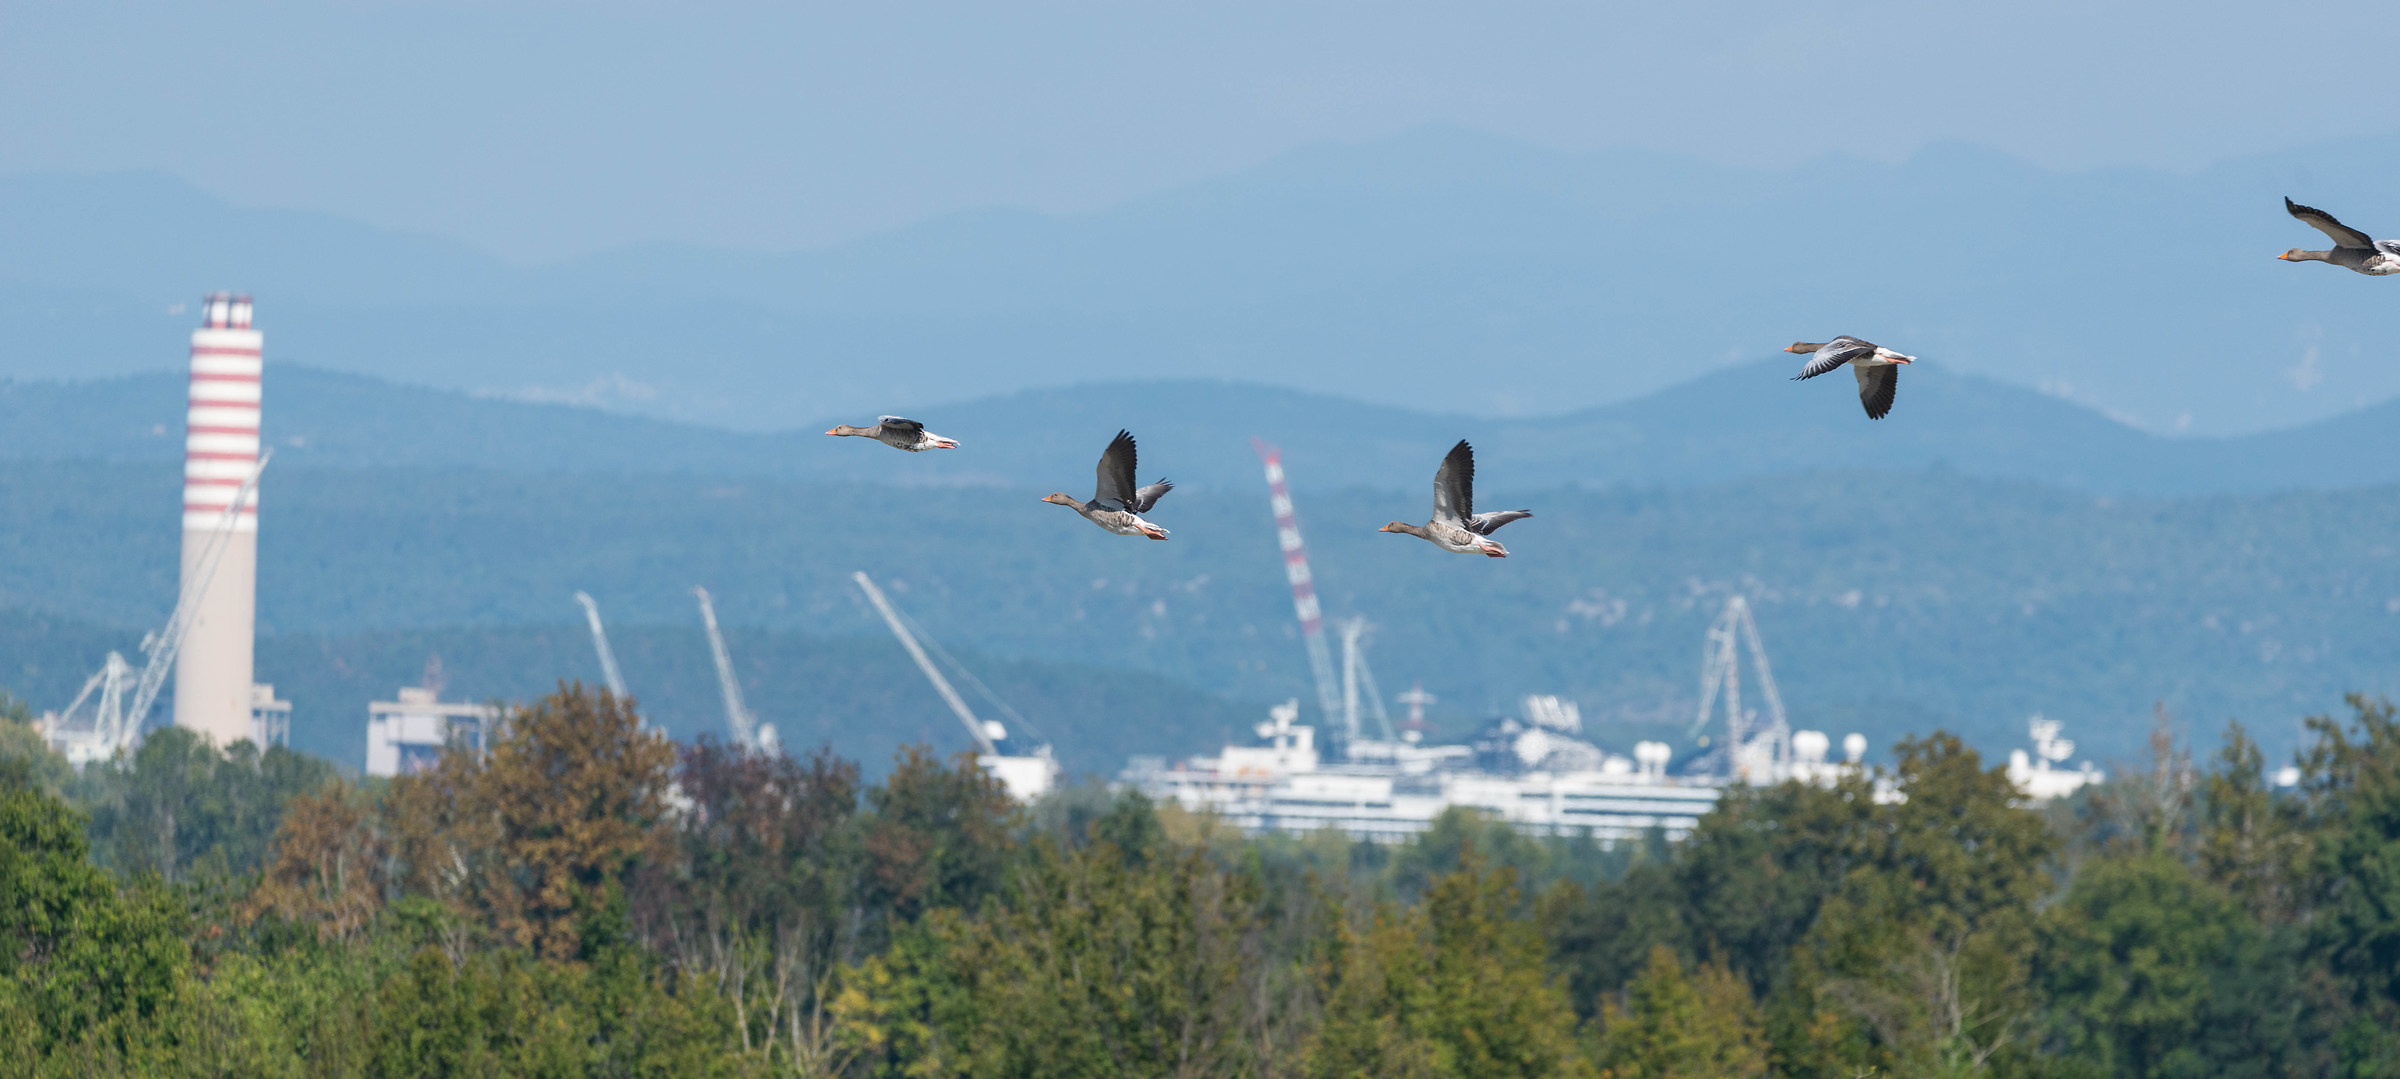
(327, 867)
(752, 886)
(939, 834)
(537, 830)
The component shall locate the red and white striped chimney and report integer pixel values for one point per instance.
(220, 451)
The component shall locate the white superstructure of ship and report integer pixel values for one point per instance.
(1535, 770)
(1540, 776)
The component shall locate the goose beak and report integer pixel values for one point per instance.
(1791, 348)
(1385, 528)
(835, 431)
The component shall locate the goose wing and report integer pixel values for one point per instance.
(1876, 387)
(1116, 473)
(1454, 486)
(1836, 352)
(2343, 235)
(1148, 496)
(899, 425)
(1484, 524)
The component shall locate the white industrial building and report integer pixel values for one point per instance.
(408, 735)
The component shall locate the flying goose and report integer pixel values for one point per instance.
(1118, 505)
(899, 434)
(1456, 527)
(1877, 368)
(2352, 250)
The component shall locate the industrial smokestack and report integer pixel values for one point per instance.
(220, 451)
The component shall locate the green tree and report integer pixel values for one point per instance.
(1454, 986)
(2351, 777)
(1674, 1026)
(1928, 942)
(25, 758)
(1093, 963)
(180, 806)
(1458, 835)
(2252, 843)
(78, 959)
(1742, 891)
(2151, 971)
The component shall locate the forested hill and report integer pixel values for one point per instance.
(1749, 420)
(1890, 602)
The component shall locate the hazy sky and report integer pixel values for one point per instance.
(536, 130)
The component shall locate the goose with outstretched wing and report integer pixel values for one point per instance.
(1117, 505)
(899, 433)
(1456, 527)
(2352, 249)
(1877, 368)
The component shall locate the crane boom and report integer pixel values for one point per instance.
(1358, 683)
(608, 657)
(1304, 589)
(1766, 676)
(1760, 748)
(160, 648)
(738, 721)
(941, 685)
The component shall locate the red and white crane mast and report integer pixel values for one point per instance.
(1304, 589)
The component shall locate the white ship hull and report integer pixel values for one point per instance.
(1384, 804)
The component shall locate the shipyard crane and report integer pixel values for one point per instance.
(1359, 683)
(116, 717)
(740, 722)
(1304, 590)
(1026, 776)
(608, 657)
(1754, 751)
(981, 731)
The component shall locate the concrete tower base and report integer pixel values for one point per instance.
(213, 672)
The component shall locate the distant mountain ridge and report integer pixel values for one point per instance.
(1438, 269)
(1744, 421)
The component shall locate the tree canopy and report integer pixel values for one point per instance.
(582, 897)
